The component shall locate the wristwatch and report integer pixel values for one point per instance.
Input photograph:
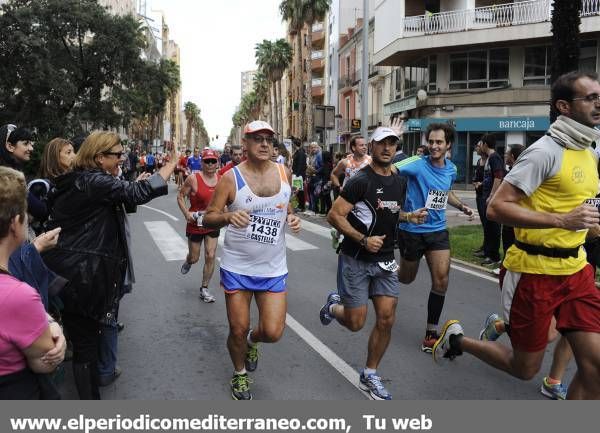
(363, 242)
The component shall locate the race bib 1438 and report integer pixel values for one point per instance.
(263, 230)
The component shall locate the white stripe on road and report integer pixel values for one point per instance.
(169, 242)
(160, 211)
(477, 274)
(316, 229)
(326, 353)
(295, 244)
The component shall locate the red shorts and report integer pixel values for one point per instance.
(530, 301)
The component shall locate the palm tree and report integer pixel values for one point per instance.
(282, 57)
(262, 88)
(292, 12)
(273, 58)
(565, 41)
(312, 11)
(191, 112)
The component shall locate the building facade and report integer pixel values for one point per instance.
(120, 7)
(481, 65)
(247, 82)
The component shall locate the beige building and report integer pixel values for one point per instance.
(172, 119)
(481, 65)
(120, 7)
(247, 82)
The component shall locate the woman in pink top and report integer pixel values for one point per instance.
(25, 336)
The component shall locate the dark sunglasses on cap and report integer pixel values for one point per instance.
(210, 161)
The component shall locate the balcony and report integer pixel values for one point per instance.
(346, 81)
(317, 60)
(318, 88)
(318, 35)
(509, 14)
(509, 22)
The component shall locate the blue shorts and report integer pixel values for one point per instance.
(232, 282)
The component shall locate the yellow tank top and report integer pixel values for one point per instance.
(575, 180)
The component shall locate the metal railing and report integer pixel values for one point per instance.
(503, 15)
(317, 55)
(317, 27)
(346, 81)
(375, 120)
(590, 7)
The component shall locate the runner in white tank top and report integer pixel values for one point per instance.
(259, 249)
(256, 193)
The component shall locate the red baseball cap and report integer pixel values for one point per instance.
(258, 125)
(209, 154)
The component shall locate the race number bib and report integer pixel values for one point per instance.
(436, 200)
(390, 266)
(263, 230)
(593, 201)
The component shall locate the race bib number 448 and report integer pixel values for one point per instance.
(263, 230)
(436, 200)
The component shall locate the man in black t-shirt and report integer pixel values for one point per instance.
(367, 213)
(493, 173)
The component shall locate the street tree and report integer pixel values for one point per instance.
(69, 63)
(565, 41)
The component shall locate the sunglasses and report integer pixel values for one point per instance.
(117, 154)
(210, 161)
(261, 138)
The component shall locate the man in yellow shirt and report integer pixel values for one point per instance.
(546, 274)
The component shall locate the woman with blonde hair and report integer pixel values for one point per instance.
(93, 252)
(26, 337)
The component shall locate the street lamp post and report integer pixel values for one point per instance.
(364, 81)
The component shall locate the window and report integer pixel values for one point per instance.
(587, 56)
(421, 75)
(537, 66)
(479, 69)
(538, 61)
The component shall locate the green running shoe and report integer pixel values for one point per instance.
(240, 387)
(251, 360)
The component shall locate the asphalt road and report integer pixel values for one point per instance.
(173, 346)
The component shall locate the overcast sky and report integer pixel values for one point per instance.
(217, 40)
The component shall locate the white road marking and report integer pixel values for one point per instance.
(172, 246)
(316, 229)
(475, 273)
(160, 211)
(296, 244)
(326, 353)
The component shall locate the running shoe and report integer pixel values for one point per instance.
(372, 384)
(445, 346)
(490, 262)
(429, 341)
(324, 315)
(555, 391)
(206, 296)
(251, 361)
(240, 387)
(489, 331)
(185, 268)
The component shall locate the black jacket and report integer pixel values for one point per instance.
(92, 250)
(299, 163)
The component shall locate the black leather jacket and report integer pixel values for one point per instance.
(92, 249)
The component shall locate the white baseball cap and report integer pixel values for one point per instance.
(258, 125)
(383, 132)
